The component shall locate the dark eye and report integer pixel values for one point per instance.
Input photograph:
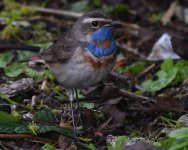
(94, 23)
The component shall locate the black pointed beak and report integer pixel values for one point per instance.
(115, 24)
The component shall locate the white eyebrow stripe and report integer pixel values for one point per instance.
(88, 20)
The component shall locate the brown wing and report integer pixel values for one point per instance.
(61, 51)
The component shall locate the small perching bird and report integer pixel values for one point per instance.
(84, 55)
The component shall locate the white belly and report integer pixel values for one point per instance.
(78, 74)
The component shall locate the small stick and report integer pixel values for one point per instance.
(135, 96)
(33, 100)
(26, 136)
(169, 13)
(119, 76)
(130, 25)
(105, 124)
(55, 11)
(4, 47)
(148, 69)
(130, 49)
(44, 85)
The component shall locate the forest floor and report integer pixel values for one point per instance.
(143, 102)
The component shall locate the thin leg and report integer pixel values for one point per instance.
(71, 98)
(77, 100)
(52, 94)
(78, 107)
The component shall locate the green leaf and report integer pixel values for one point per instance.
(49, 74)
(7, 128)
(167, 65)
(184, 73)
(44, 115)
(136, 67)
(14, 128)
(64, 131)
(48, 147)
(166, 144)
(22, 55)
(33, 73)
(47, 128)
(181, 63)
(38, 75)
(117, 144)
(22, 128)
(12, 124)
(5, 58)
(180, 133)
(9, 31)
(169, 74)
(164, 79)
(179, 144)
(7, 118)
(92, 147)
(15, 69)
(87, 105)
(181, 75)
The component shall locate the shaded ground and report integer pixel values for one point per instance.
(143, 100)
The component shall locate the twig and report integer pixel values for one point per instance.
(148, 69)
(105, 124)
(136, 96)
(44, 85)
(130, 25)
(33, 100)
(52, 20)
(139, 109)
(119, 76)
(130, 49)
(4, 47)
(169, 13)
(55, 11)
(26, 136)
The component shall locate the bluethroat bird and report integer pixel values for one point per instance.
(85, 54)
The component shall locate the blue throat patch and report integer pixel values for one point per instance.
(103, 34)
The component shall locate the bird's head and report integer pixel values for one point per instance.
(96, 30)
